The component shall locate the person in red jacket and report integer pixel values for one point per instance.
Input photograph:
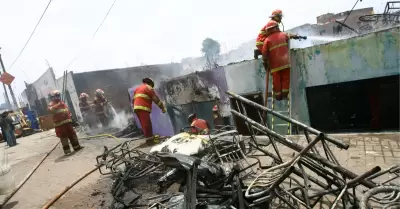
(262, 35)
(200, 126)
(63, 123)
(143, 97)
(276, 61)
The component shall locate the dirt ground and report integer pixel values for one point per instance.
(96, 195)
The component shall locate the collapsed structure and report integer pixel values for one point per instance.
(234, 171)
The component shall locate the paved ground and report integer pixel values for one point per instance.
(57, 172)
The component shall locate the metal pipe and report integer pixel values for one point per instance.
(289, 143)
(290, 120)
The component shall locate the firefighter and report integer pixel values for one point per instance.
(277, 17)
(143, 97)
(86, 109)
(217, 117)
(200, 126)
(63, 123)
(99, 104)
(276, 61)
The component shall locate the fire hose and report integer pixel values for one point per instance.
(9, 196)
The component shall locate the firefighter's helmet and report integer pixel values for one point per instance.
(215, 108)
(148, 81)
(276, 13)
(55, 95)
(191, 117)
(99, 93)
(83, 96)
(272, 24)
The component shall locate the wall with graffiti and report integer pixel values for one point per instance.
(368, 56)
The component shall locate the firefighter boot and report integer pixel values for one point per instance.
(75, 143)
(65, 146)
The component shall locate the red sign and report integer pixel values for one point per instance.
(6, 78)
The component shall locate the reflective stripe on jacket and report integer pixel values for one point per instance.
(60, 113)
(143, 97)
(261, 36)
(202, 126)
(276, 49)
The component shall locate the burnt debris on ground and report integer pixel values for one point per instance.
(228, 170)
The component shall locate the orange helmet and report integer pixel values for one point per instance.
(83, 95)
(276, 12)
(99, 92)
(271, 24)
(55, 95)
(215, 108)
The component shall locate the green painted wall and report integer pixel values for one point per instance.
(368, 56)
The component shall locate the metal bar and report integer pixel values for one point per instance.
(301, 125)
(289, 143)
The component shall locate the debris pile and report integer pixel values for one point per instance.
(228, 170)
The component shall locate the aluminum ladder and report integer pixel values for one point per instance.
(283, 107)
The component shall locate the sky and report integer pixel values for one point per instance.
(139, 32)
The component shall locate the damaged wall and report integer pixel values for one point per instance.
(197, 92)
(368, 56)
(70, 86)
(116, 82)
(45, 84)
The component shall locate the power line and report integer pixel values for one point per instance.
(41, 17)
(101, 24)
(94, 34)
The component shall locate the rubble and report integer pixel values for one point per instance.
(228, 170)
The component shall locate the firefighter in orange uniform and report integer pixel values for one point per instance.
(276, 61)
(143, 97)
(86, 110)
(201, 126)
(277, 17)
(99, 104)
(63, 123)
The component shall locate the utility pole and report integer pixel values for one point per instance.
(9, 86)
(5, 90)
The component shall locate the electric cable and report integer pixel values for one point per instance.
(94, 34)
(37, 24)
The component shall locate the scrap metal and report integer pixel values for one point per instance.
(235, 171)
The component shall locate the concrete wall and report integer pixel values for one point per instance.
(45, 84)
(372, 55)
(70, 86)
(197, 92)
(116, 82)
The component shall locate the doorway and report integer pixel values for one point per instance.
(357, 106)
(252, 112)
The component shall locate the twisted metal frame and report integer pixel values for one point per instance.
(316, 166)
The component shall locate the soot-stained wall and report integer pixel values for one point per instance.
(197, 92)
(368, 56)
(116, 82)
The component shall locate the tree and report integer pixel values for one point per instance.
(211, 49)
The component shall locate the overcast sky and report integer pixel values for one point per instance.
(137, 31)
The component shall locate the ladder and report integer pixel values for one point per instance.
(283, 107)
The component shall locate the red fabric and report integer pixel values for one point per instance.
(201, 124)
(65, 131)
(281, 82)
(60, 116)
(145, 122)
(278, 56)
(261, 37)
(140, 101)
